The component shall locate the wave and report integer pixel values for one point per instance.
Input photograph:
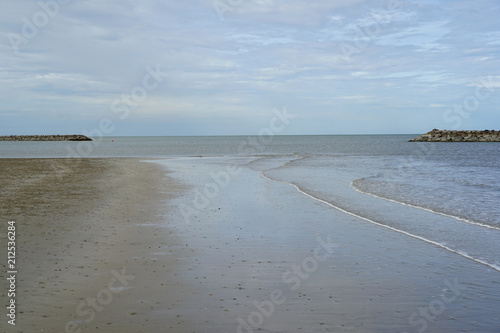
(438, 244)
(358, 189)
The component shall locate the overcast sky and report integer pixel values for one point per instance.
(205, 67)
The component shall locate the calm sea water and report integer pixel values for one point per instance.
(444, 193)
(211, 146)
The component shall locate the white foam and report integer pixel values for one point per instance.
(426, 209)
(443, 246)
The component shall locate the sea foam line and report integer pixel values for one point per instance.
(461, 253)
(426, 209)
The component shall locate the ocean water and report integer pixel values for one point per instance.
(449, 203)
(446, 194)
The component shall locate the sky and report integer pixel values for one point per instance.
(227, 67)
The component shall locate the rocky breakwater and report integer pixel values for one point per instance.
(74, 137)
(459, 136)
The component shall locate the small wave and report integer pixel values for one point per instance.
(443, 246)
(274, 161)
(357, 189)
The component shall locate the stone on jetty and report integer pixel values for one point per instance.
(74, 137)
(459, 136)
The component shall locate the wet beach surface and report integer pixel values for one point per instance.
(120, 245)
(255, 242)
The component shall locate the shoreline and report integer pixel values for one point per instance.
(104, 246)
(263, 261)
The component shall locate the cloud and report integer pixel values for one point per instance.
(264, 54)
(291, 12)
(425, 36)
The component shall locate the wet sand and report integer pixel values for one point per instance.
(121, 245)
(93, 252)
(267, 258)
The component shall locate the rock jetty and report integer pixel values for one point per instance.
(459, 136)
(74, 137)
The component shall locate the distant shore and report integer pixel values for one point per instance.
(73, 137)
(459, 136)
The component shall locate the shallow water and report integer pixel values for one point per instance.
(458, 179)
(444, 193)
(336, 181)
(248, 231)
(409, 219)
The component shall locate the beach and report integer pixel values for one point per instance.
(87, 234)
(284, 262)
(262, 166)
(211, 245)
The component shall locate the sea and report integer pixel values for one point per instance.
(445, 194)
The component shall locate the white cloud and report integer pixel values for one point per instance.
(359, 98)
(424, 37)
(265, 52)
(258, 40)
(288, 11)
(491, 82)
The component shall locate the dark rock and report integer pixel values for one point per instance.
(74, 137)
(459, 136)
